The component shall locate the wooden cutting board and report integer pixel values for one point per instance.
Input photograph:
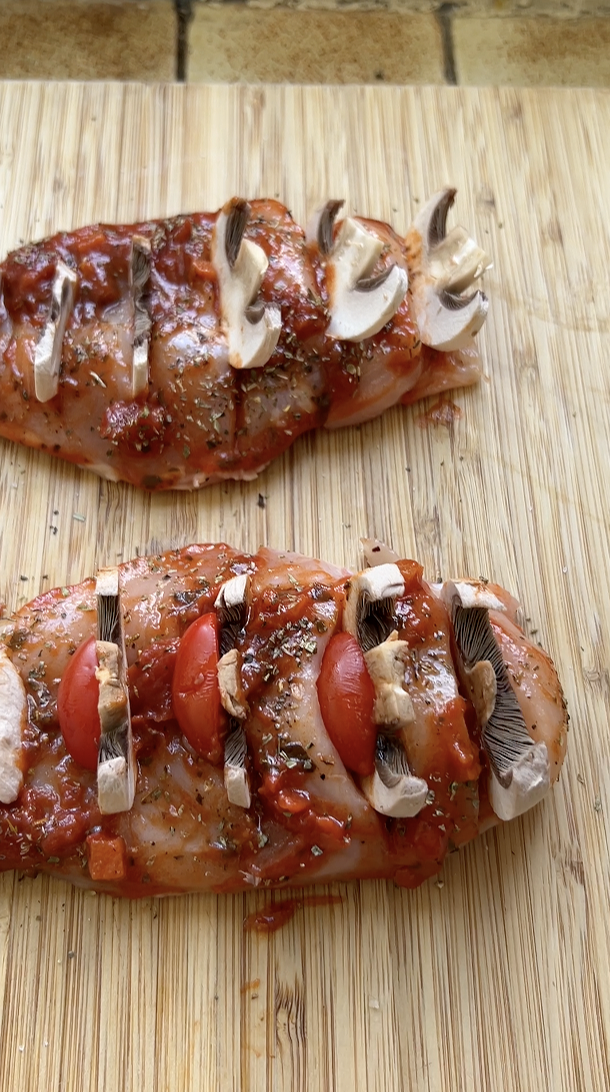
(496, 976)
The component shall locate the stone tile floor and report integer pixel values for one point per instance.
(464, 43)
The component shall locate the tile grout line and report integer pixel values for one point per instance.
(444, 18)
(184, 15)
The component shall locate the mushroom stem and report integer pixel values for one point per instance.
(252, 330)
(116, 761)
(386, 666)
(47, 355)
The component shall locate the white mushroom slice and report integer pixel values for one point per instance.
(360, 304)
(530, 782)
(116, 761)
(520, 768)
(232, 696)
(47, 354)
(139, 275)
(386, 667)
(252, 329)
(469, 593)
(442, 267)
(369, 607)
(236, 778)
(392, 789)
(233, 593)
(232, 603)
(13, 720)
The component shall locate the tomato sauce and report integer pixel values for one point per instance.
(277, 914)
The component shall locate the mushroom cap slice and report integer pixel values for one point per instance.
(232, 604)
(392, 789)
(369, 606)
(360, 304)
(252, 330)
(47, 354)
(443, 267)
(13, 720)
(529, 784)
(447, 321)
(236, 778)
(233, 593)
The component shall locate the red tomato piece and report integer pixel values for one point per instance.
(347, 695)
(106, 857)
(77, 700)
(195, 689)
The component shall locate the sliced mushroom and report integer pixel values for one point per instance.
(139, 275)
(232, 605)
(442, 268)
(370, 617)
(13, 721)
(392, 789)
(47, 355)
(116, 761)
(369, 607)
(386, 666)
(520, 768)
(235, 773)
(360, 304)
(252, 329)
(229, 681)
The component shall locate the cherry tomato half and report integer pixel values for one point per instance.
(77, 700)
(195, 690)
(347, 695)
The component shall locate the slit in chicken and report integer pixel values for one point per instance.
(47, 354)
(139, 276)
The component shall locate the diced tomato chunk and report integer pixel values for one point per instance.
(347, 696)
(77, 701)
(106, 857)
(195, 689)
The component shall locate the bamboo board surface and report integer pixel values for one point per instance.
(495, 977)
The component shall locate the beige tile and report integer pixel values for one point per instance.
(87, 39)
(532, 51)
(238, 43)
